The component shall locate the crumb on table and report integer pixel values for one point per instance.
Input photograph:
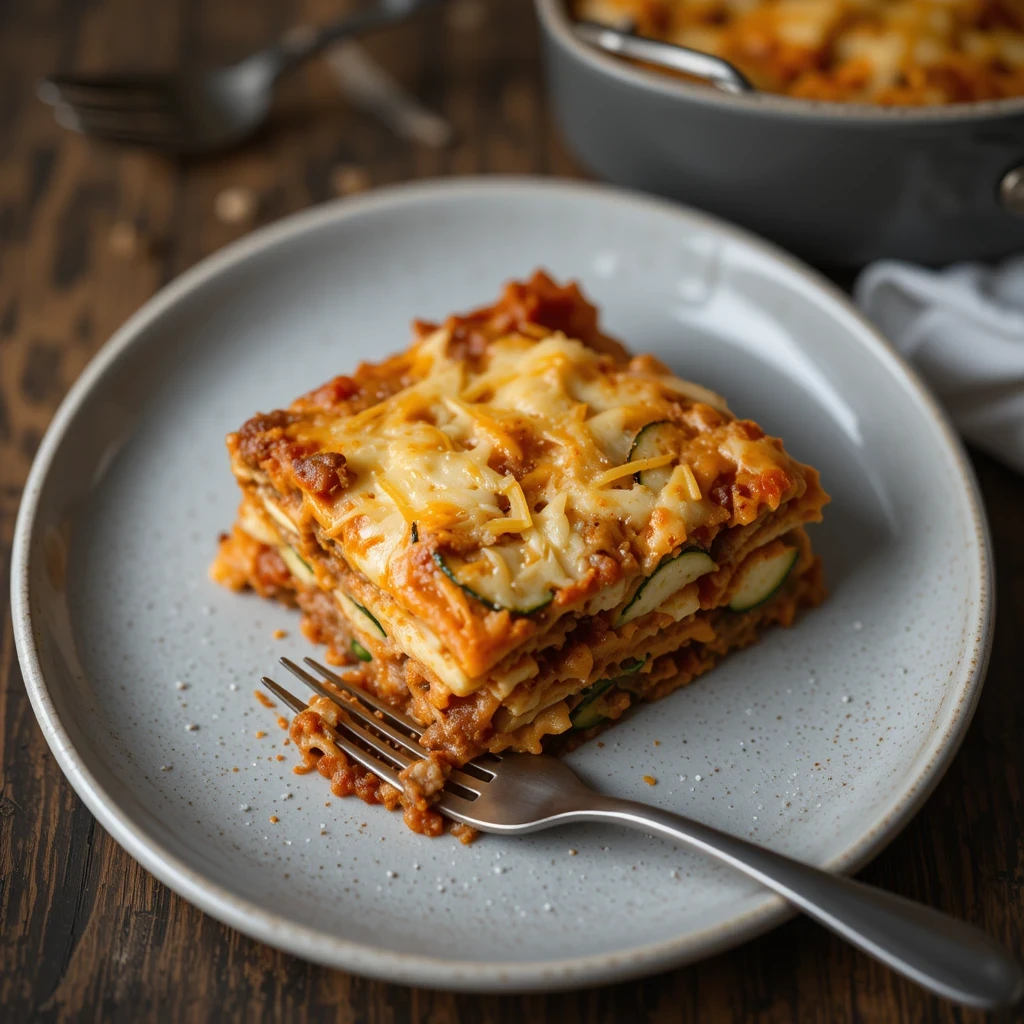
(125, 240)
(349, 179)
(235, 205)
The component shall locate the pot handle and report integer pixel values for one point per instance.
(713, 70)
(1011, 191)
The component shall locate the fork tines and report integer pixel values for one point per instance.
(380, 738)
(126, 108)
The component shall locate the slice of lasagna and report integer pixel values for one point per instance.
(516, 530)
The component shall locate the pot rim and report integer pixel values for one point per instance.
(555, 22)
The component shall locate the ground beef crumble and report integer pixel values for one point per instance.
(423, 781)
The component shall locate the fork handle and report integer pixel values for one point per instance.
(950, 957)
(303, 42)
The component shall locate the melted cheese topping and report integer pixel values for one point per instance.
(881, 51)
(514, 462)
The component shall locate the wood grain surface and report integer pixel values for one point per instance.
(87, 234)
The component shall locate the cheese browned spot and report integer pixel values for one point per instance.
(322, 474)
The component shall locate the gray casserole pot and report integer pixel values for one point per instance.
(839, 184)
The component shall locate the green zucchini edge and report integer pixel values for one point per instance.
(494, 606)
(360, 651)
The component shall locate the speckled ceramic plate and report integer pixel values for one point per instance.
(820, 742)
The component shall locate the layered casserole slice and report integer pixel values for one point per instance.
(515, 530)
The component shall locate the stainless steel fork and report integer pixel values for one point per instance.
(189, 114)
(518, 793)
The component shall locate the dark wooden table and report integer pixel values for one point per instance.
(87, 234)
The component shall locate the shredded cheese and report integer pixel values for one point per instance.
(508, 524)
(408, 513)
(519, 518)
(512, 453)
(630, 468)
(498, 432)
(690, 482)
(536, 477)
(514, 493)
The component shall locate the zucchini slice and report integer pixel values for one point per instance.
(633, 665)
(493, 605)
(374, 623)
(670, 577)
(297, 565)
(763, 579)
(586, 714)
(658, 438)
(360, 651)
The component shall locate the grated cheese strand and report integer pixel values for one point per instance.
(519, 518)
(408, 514)
(630, 468)
(690, 482)
(498, 432)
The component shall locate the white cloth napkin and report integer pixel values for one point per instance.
(963, 330)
